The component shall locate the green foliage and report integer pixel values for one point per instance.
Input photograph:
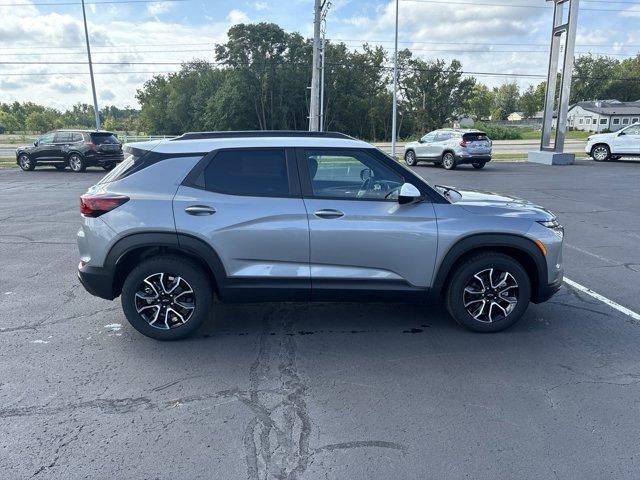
(499, 132)
(480, 102)
(8, 122)
(530, 102)
(506, 100)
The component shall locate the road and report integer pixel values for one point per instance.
(326, 391)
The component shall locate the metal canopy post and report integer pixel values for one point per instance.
(553, 155)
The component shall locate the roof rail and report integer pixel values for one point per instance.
(259, 133)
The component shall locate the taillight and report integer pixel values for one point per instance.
(95, 205)
(463, 143)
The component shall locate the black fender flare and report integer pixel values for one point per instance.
(178, 242)
(488, 241)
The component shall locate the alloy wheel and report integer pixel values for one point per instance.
(490, 295)
(600, 154)
(75, 163)
(25, 162)
(448, 161)
(410, 158)
(165, 301)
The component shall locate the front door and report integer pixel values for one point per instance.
(44, 149)
(246, 204)
(628, 141)
(361, 237)
(425, 146)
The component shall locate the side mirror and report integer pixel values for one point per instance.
(35, 144)
(421, 141)
(408, 194)
(621, 134)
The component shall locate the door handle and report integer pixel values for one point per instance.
(199, 210)
(329, 213)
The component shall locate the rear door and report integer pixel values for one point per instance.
(440, 143)
(60, 143)
(477, 143)
(106, 143)
(628, 141)
(246, 204)
(361, 238)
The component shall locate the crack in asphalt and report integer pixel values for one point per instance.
(56, 453)
(277, 439)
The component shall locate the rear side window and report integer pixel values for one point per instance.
(76, 137)
(257, 173)
(106, 138)
(62, 137)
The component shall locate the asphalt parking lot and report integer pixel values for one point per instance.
(335, 391)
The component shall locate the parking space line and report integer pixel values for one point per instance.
(603, 299)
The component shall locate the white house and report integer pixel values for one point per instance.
(519, 116)
(602, 115)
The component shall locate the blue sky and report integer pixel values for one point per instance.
(498, 36)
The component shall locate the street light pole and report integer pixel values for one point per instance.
(314, 107)
(395, 89)
(93, 83)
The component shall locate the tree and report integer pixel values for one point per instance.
(40, 122)
(592, 77)
(480, 102)
(529, 103)
(8, 122)
(506, 99)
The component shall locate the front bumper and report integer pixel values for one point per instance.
(547, 291)
(97, 281)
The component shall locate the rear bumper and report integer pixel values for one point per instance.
(473, 158)
(97, 281)
(98, 159)
(547, 291)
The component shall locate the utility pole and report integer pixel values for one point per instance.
(322, 58)
(394, 120)
(93, 83)
(314, 107)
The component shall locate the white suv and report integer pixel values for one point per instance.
(612, 146)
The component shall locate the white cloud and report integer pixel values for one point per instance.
(238, 16)
(259, 5)
(157, 8)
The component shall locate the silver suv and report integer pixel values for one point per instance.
(450, 148)
(300, 216)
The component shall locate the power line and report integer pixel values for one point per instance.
(66, 4)
(511, 5)
(364, 40)
(22, 54)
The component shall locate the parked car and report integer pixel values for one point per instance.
(450, 148)
(77, 149)
(612, 146)
(304, 216)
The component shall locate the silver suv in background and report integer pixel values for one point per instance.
(450, 148)
(304, 216)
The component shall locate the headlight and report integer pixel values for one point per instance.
(553, 225)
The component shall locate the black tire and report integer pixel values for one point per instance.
(464, 276)
(449, 161)
(25, 162)
(77, 163)
(601, 152)
(109, 166)
(479, 165)
(60, 168)
(410, 158)
(172, 266)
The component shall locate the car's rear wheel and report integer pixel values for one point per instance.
(449, 161)
(26, 163)
(60, 168)
(600, 153)
(109, 166)
(167, 297)
(76, 163)
(479, 165)
(410, 158)
(488, 292)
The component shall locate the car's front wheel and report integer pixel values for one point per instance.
(601, 153)
(76, 163)
(25, 163)
(488, 292)
(410, 158)
(449, 161)
(167, 297)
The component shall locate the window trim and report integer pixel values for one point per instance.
(407, 175)
(293, 177)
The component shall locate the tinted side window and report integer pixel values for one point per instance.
(62, 137)
(258, 173)
(428, 137)
(76, 137)
(441, 137)
(48, 138)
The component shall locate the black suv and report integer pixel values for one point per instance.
(78, 149)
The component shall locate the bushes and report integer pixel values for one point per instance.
(499, 132)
